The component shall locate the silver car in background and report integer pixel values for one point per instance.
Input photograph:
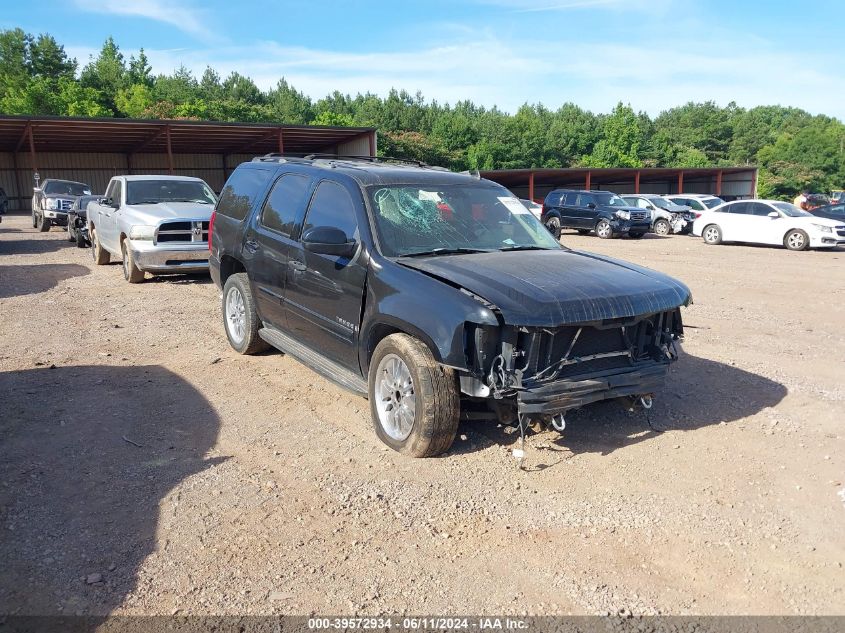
(666, 216)
(155, 224)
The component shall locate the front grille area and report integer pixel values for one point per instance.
(64, 205)
(638, 215)
(550, 354)
(182, 231)
(840, 231)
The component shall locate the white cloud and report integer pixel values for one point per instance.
(537, 6)
(183, 17)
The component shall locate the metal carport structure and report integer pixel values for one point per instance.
(94, 150)
(728, 182)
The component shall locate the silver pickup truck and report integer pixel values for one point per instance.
(155, 224)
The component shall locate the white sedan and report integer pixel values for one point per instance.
(768, 222)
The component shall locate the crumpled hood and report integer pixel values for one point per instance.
(153, 213)
(550, 288)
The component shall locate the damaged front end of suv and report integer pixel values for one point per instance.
(571, 328)
(541, 373)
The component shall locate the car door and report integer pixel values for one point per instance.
(769, 230)
(738, 224)
(106, 226)
(583, 215)
(267, 243)
(324, 293)
(568, 208)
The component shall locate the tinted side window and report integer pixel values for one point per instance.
(241, 190)
(110, 189)
(757, 208)
(285, 201)
(332, 206)
(117, 192)
(584, 199)
(739, 208)
(642, 203)
(571, 199)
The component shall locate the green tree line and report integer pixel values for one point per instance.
(794, 149)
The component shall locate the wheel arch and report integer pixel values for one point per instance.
(229, 266)
(384, 327)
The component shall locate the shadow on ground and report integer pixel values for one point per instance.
(698, 393)
(88, 453)
(29, 279)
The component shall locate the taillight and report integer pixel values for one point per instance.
(211, 228)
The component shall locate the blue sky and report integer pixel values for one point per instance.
(653, 54)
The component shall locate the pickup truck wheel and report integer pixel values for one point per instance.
(44, 224)
(131, 272)
(71, 234)
(414, 400)
(712, 234)
(604, 230)
(34, 219)
(101, 255)
(796, 240)
(240, 318)
(662, 227)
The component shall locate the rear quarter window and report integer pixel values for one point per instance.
(241, 190)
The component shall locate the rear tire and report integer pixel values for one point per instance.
(101, 255)
(604, 230)
(131, 272)
(403, 372)
(662, 227)
(712, 235)
(796, 240)
(240, 318)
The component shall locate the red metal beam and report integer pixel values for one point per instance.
(281, 142)
(680, 181)
(754, 184)
(531, 186)
(637, 182)
(169, 149)
(719, 183)
(32, 151)
(372, 138)
(587, 181)
(23, 137)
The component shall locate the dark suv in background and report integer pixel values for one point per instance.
(430, 292)
(601, 211)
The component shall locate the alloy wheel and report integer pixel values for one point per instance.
(395, 398)
(235, 315)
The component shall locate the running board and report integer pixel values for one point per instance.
(316, 361)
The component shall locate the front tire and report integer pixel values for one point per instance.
(414, 400)
(604, 230)
(240, 318)
(34, 220)
(662, 227)
(71, 234)
(553, 225)
(712, 235)
(44, 223)
(101, 255)
(796, 240)
(131, 272)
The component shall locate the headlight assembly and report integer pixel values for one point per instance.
(142, 232)
(822, 228)
(52, 203)
(623, 215)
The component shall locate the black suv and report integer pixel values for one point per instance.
(429, 292)
(601, 211)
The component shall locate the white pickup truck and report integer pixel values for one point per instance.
(155, 224)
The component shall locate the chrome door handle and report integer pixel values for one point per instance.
(297, 265)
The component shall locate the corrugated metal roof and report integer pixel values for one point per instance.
(129, 136)
(574, 175)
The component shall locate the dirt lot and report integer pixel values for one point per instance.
(147, 468)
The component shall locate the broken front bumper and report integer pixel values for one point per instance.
(562, 395)
(157, 259)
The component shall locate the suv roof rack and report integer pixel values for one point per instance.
(309, 158)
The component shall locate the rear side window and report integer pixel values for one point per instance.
(332, 206)
(571, 199)
(285, 201)
(241, 190)
(738, 208)
(585, 199)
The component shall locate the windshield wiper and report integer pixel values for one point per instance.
(447, 251)
(525, 247)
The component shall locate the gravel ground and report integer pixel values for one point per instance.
(148, 469)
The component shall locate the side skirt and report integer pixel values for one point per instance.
(325, 367)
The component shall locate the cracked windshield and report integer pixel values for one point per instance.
(454, 219)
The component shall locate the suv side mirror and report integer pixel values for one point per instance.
(591, 205)
(328, 240)
(109, 202)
